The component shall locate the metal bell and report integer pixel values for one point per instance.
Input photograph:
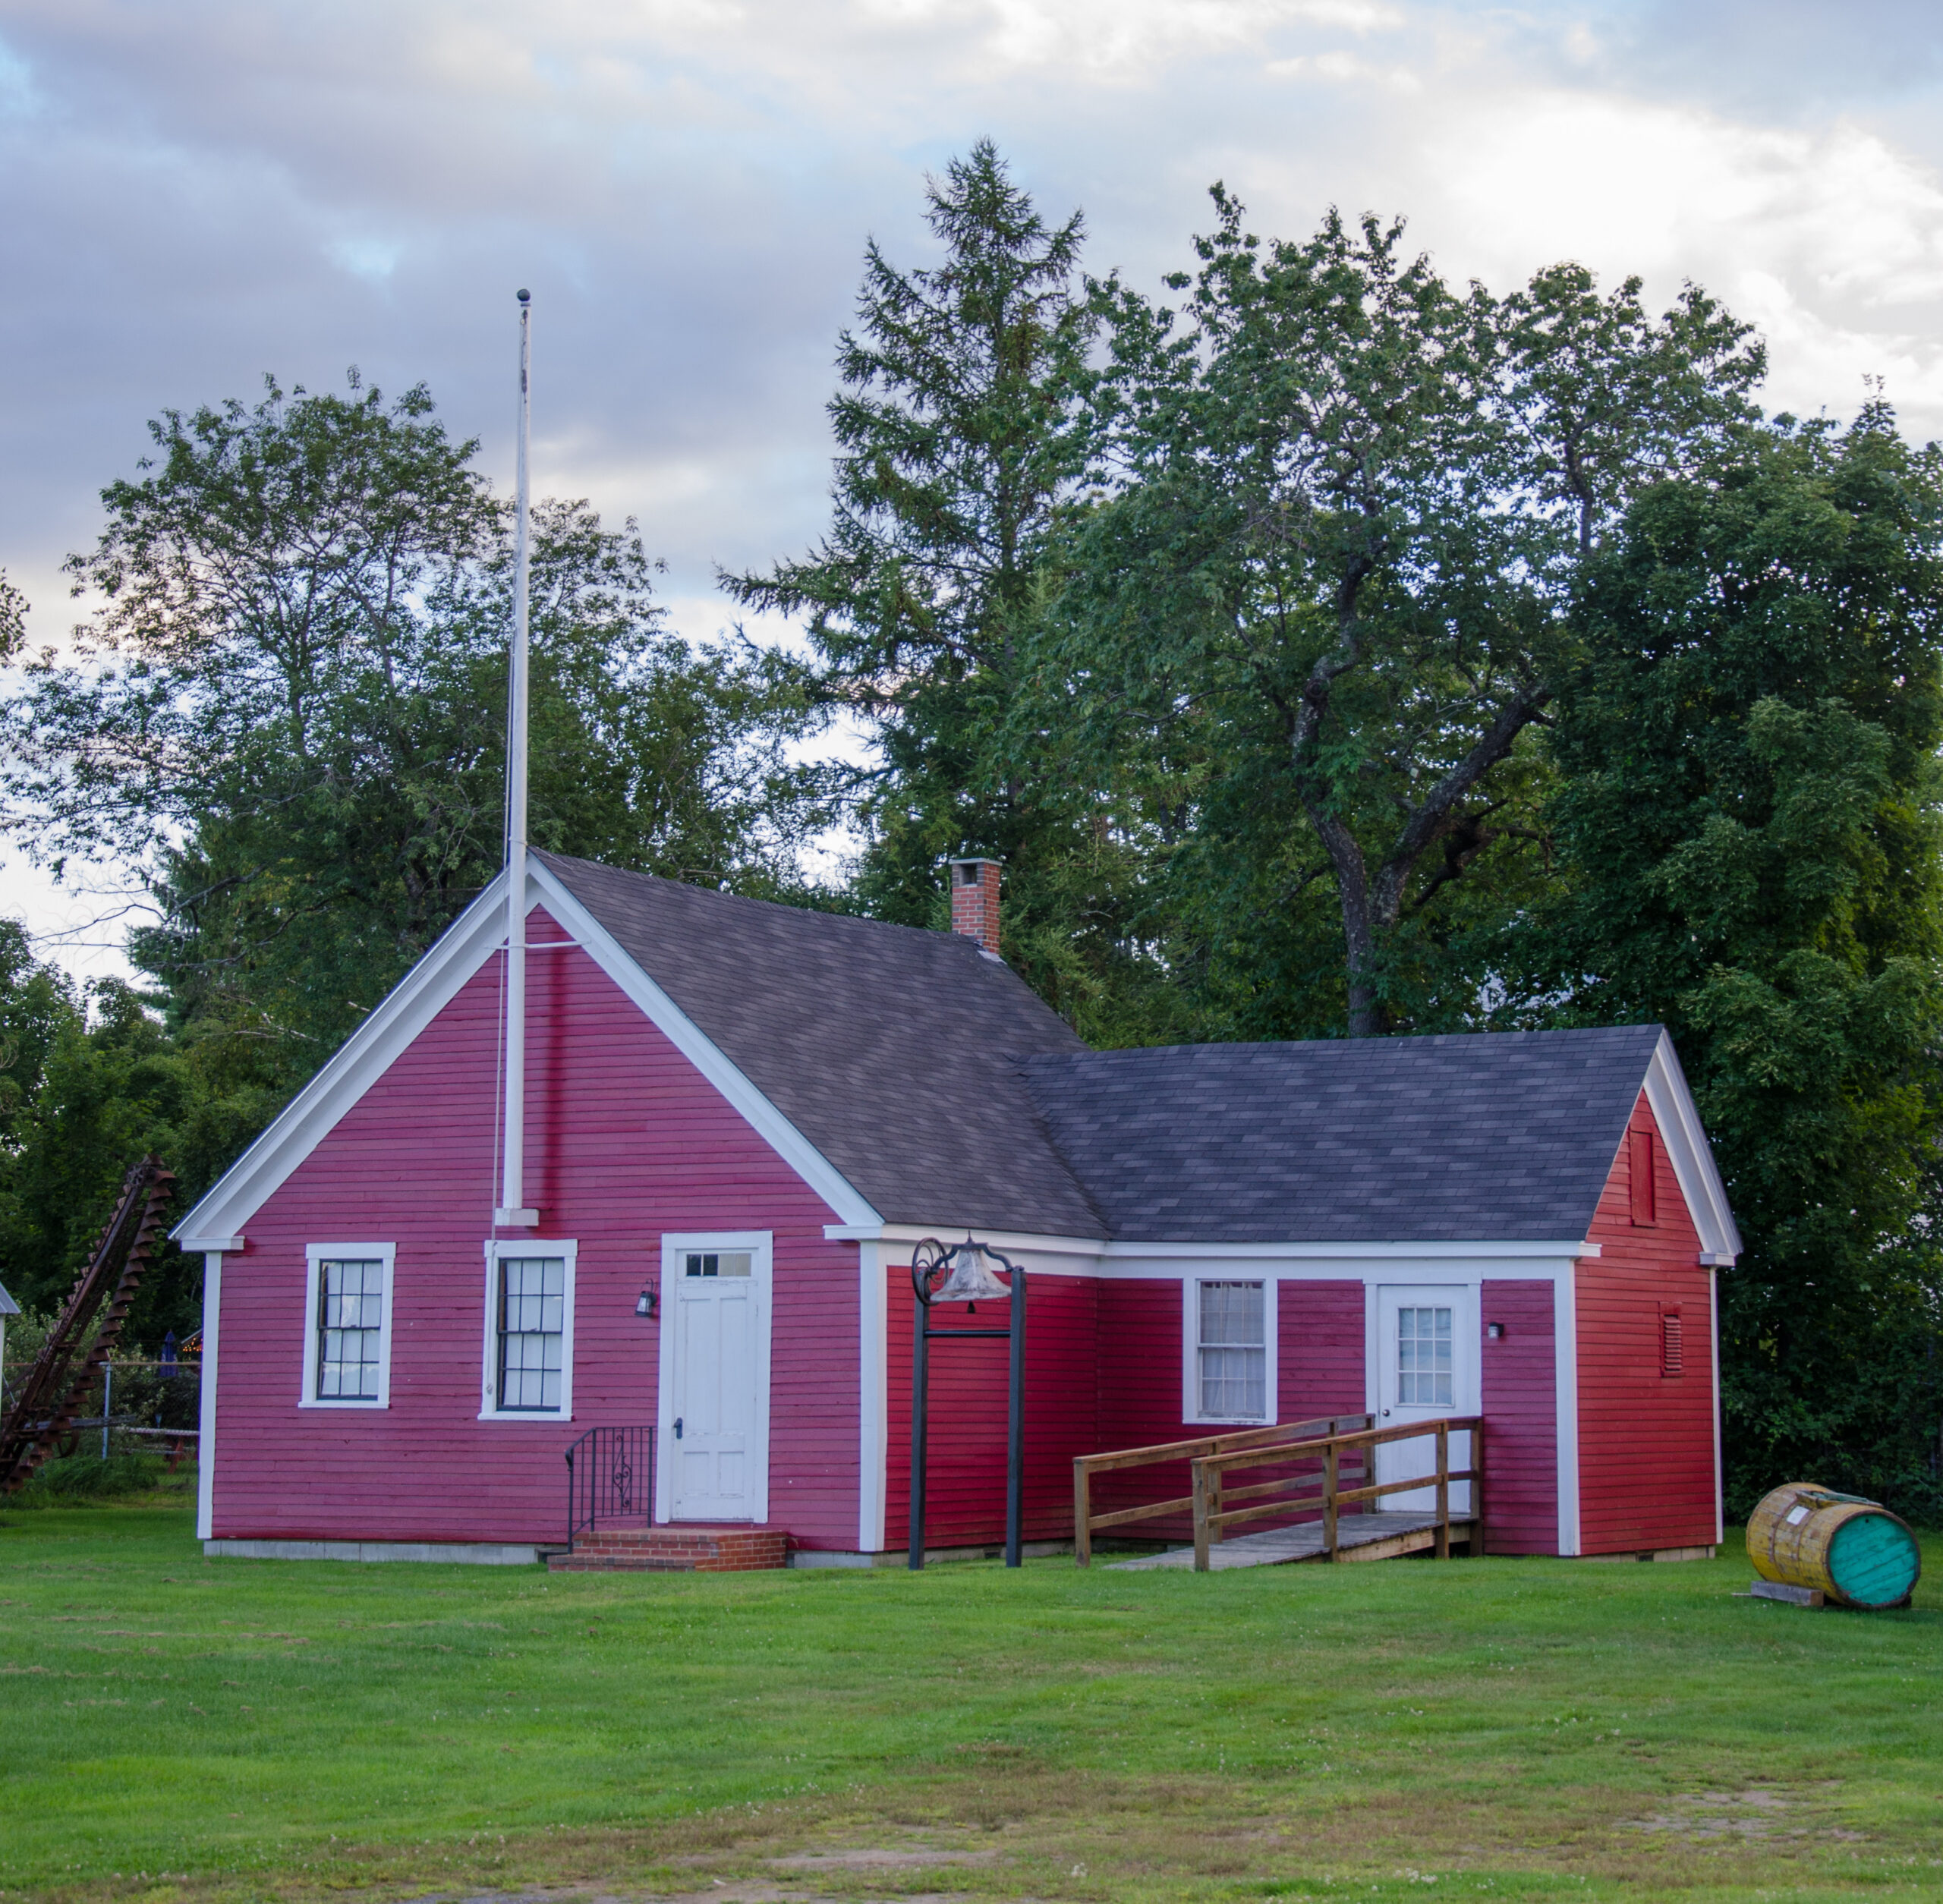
(970, 1279)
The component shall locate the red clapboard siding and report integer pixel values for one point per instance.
(1320, 1350)
(966, 1421)
(625, 1139)
(1645, 1440)
(1520, 1390)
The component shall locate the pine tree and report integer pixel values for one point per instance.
(957, 428)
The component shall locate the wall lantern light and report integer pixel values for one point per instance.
(1495, 1330)
(647, 1301)
(942, 1273)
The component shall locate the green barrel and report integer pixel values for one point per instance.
(1856, 1551)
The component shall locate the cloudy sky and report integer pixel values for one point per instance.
(197, 193)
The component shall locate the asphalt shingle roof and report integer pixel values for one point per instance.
(1503, 1137)
(942, 1088)
(890, 1048)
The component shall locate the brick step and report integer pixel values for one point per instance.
(711, 1549)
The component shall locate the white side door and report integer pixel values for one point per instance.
(714, 1425)
(1426, 1368)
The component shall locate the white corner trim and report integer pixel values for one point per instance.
(1565, 1403)
(358, 1063)
(853, 1209)
(761, 1244)
(1191, 1351)
(489, 1374)
(872, 1395)
(1720, 1474)
(206, 1416)
(314, 1255)
(1690, 1154)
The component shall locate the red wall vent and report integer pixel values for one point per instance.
(1640, 1174)
(1672, 1346)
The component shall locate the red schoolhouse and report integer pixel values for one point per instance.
(741, 1118)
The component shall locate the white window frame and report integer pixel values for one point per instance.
(489, 1372)
(315, 1256)
(1191, 1347)
(761, 1244)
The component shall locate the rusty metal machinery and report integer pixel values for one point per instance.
(89, 1326)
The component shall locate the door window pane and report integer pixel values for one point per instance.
(350, 1320)
(533, 1309)
(1423, 1358)
(718, 1263)
(1233, 1351)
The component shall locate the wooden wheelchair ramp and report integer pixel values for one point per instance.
(1326, 1467)
(1358, 1537)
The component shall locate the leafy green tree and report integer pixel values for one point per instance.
(288, 715)
(91, 1082)
(1750, 823)
(955, 426)
(1319, 605)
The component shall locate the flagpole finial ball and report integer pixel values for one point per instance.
(525, 297)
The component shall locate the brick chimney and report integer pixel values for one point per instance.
(974, 902)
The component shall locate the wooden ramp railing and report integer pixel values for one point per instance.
(1212, 1517)
(1269, 1444)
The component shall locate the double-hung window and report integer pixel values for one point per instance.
(529, 1329)
(347, 1325)
(1231, 1370)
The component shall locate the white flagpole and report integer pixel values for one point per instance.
(512, 1181)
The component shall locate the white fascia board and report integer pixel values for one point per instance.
(853, 1209)
(1110, 1255)
(1294, 1262)
(216, 1223)
(1001, 1239)
(1345, 1252)
(1691, 1155)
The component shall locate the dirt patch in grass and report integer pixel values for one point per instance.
(1058, 1836)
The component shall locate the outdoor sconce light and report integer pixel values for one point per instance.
(1495, 1330)
(647, 1301)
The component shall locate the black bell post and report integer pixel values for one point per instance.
(964, 1272)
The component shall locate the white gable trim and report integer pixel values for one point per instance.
(681, 1032)
(1690, 1155)
(217, 1221)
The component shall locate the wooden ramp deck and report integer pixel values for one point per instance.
(1358, 1537)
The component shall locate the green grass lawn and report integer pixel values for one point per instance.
(171, 1727)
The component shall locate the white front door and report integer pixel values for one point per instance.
(1426, 1360)
(714, 1413)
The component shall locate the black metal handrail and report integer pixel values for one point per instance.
(610, 1478)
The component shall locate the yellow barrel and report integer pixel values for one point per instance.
(1856, 1551)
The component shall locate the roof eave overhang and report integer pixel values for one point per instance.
(1481, 1249)
(1691, 1155)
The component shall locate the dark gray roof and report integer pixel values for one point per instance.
(949, 1095)
(1502, 1136)
(891, 1049)
(9, 1307)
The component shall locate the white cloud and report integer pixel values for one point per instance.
(201, 193)
(1828, 238)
